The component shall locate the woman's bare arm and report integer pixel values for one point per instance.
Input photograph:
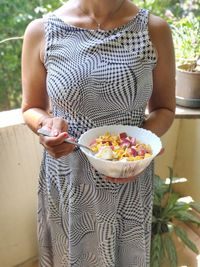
(35, 104)
(162, 102)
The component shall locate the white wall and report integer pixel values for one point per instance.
(19, 161)
(187, 160)
(169, 142)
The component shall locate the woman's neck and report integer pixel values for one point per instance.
(97, 14)
(100, 9)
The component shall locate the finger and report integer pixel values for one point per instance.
(49, 142)
(60, 150)
(120, 180)
(59, 154)
(59, 126)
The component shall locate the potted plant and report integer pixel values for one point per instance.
(186, 32)
(170, 211)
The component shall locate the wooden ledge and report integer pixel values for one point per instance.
(187, 113)
(14, 117)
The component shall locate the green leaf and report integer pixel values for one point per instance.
(186, 216)
(174, 208)
(171, 203)
(172, 200)
(195, 206)
(160, 188)
(181, 206)
(153, 219)
(182, 234)
(170, 177)
(156, 251)
(157, 211)
(170, 249)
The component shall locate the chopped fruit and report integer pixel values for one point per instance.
(125, 143)
(134, 152)
(122, 135)
(120, 147)
(142, 152)
(133, 141)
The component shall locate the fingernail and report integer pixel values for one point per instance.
(45, 127)
(55, 133)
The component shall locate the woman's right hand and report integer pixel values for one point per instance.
(55, 145)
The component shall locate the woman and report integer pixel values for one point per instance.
(95, 63)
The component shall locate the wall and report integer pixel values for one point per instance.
(187, 160)
(19, 161)
(169, 142)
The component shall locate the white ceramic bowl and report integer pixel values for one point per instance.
(119, 169)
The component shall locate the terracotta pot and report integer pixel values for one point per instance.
(187, 87)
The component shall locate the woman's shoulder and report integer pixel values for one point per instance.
(158, 25)
(34, 38)
(35, 30)
(159, 30)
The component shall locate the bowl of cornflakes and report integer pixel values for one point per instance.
(120, 151)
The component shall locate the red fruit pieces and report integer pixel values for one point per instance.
(122, 136)
(125, 143)
(142, 151)
(133, 141)
(134, 152)
(107, 142)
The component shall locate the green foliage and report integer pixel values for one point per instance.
(169, 209)
(170, 250)
(184, 19)
(156, 251)
(164, 8)
(186, 32)
(182, 234)
(15, 16)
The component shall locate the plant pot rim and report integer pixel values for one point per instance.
(187, 102)
(181, 68)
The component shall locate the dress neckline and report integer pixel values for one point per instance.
(99, 30)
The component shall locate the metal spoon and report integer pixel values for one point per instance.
(48, 133)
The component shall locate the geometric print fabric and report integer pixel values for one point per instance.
(95, 78)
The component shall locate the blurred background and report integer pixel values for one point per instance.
(20, 152)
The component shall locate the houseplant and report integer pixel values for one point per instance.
(169, 210)
(186, 33)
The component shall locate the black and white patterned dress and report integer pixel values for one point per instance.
(95, 78)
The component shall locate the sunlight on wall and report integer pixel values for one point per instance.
(198, 260)
(187, 158)
(169, 142)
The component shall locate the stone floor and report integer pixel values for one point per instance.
(30, 263)
(35, 264)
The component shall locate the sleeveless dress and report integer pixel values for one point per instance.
(95, 78)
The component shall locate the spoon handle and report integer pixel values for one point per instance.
(48, 133)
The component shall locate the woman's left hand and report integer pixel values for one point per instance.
(121, 180)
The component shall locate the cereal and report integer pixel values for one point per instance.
(120, 147)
